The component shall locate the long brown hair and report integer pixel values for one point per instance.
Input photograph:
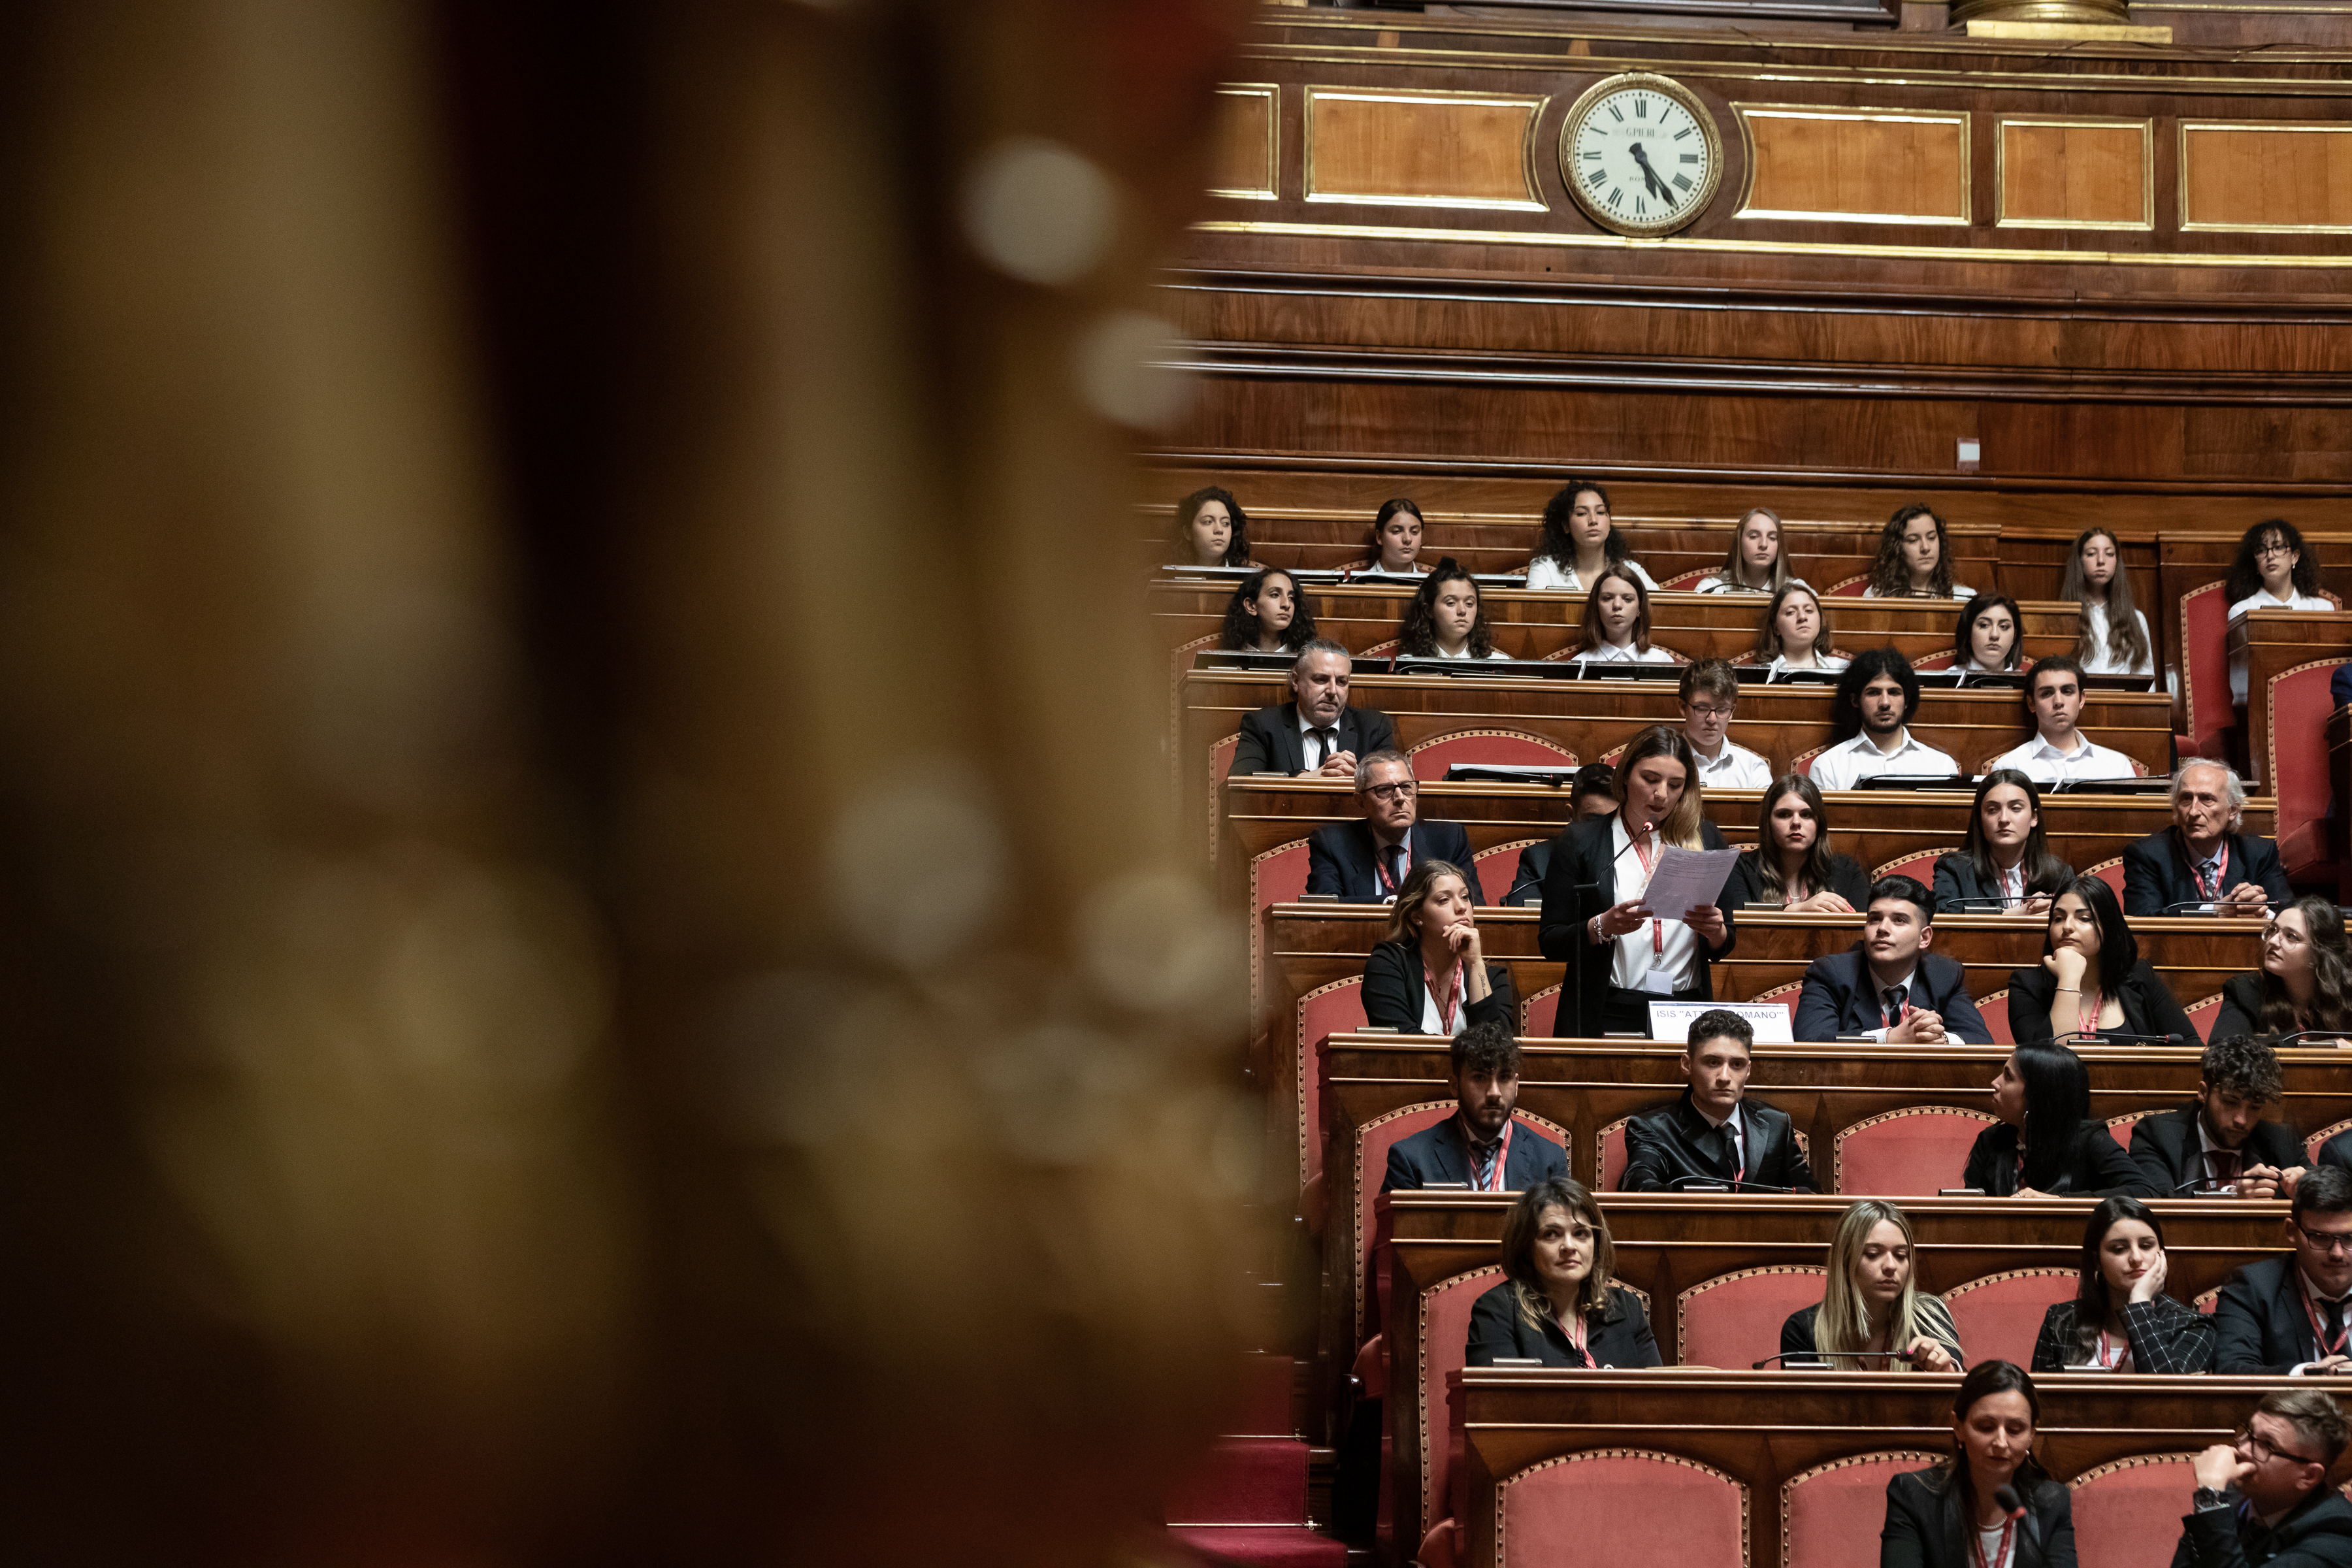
(1418, 636)
(1681, 825)
(2126, 644)
(1519, 1228)
(2043, 872)
(1404, 915)
(1816, 869)
(1890, 577)
(1734, 571)
(1767, 630)
(1593, 637)
(2331, 977)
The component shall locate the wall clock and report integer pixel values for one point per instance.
(1640, 154)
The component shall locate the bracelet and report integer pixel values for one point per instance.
(2068, 989)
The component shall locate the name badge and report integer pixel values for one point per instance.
(1657, 983)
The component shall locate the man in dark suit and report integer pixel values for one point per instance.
(2202, 859)
(1713, 1134)
(1478, 1145)
(2285, 1316)
(1316, 732)
(1888, 986)
(1590, 793)
(1365, 862)
(2219, 1142)
(2264, 1497)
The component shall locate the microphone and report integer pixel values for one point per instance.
(2101, 1038)
(1633, 837)
(1819, 1359)
(1725, 1184)
(2191, 907)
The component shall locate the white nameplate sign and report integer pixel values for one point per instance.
(1670, 1022)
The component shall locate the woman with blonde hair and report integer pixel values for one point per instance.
(1756, 562)
(1794, 633)
(1873, 1316)
(1558, 1303)
(1430, 976)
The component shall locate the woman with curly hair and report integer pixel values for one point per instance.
(1444, 621)
(2276, 570)
(1211, 530)
(1915, 559)
(1579, 539)
(1269, 613)
(2305, 980)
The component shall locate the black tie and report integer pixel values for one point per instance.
(2335, 1325)
(1891, 1006)
(1398, 866)
(1730, 1150)
(1328, 739)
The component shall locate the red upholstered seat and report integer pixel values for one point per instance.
(2001, 1314)
(1733, 1320)
(1944, 660)
(1612, 1154)
(1786, 996)
(1802, 762)
(1381, 649)
(2205, 670)
(2127, 1511)
(1539, 1013)
(1501, 748)
(1605, 1507)
(1445, 1340)
(1831, 1514)
(2204, 1014)
(1851, 588)
(1332, 1009)
(1919, 867)
(2293, 758)
(1684, 582)
(1496, 868)
(2311, 1145)
(2111, 872)
(2119, 1127)
(1915, 1152)
(2205, 1301)
(1994, 1010)
(1221, 762)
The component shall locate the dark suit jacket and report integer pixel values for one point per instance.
(1923, 1528)
(1440, 1153)
(2167, 1338)
(2316, 1535)
(1848, 880)
(1526, 882)
(2169, 1152)
(1583, 853)
(1672, 1140)
(1840, 998)
(2339, 685)
(2259, 1323)
(1617, 1336)
(2241, 1001)
(2336, 1152)
(2095, 1165)
(2150, 1006)
(1339, 858)
(1935, 1320)
(1394, 990)
(1270, 743)
(2157, 874)
(1956, 883)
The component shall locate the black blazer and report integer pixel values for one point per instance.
(1339, 858)
(1935, 1322)
(2316, 1533)
(1583, 853)
(1957, 884)
(1848, 880)
(1394, 990)
(1923, 1528)
(2259, 1323)
(2157, 874)
(1619, 1335)
(2095, 1165)
(2242, 1002)
(2336, 1152)
(2150, 1006)
(2167, 1338)
(1840, 998)
(1526, 882)
(2169, 1152)
(1270, 743)
(1440, 1153)
(1672, 1140)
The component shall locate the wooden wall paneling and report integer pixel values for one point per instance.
(1422, 147)
(1246, 150)
(1858, 165)
(2075, 173)
(2253, 177)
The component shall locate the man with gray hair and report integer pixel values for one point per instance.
(2202, 861)
(1316, 732)
(1365, 862)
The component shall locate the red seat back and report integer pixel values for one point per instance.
(2205, 669)
(1539, 1015)
(1333, 1009)
(1994, 1010)
(2294, 756)
(1851, 588)
(1606, 1507)
(2311, 1144)
(1802, 762)
(1915, 1152)
(1831, 1515)
(1613, 1155)
(1444, 1346)
(1498, 867)
(1499, 747)
(1733, 1320)
(2001, 1314)
(2204, 1014)
(1786, 996)
(2127, 1511)
(1919, 867)
(2111, 872)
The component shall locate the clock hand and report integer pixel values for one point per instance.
(1649, 175)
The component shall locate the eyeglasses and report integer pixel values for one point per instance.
(2264, 1450)
(2331, 1242)
(1697, 712)
(2275, 549)
(1386, 791)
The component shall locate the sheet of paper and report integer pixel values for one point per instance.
(1687, 877)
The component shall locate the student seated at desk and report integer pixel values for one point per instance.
(1877, 698)
(1316, 732)
(1479, 1145)
(1710, 699)
(1872, 1318)
(1592, 792)
(2115, 636)
(1268, 613)
(1793, 865)
(1579, 538)
(1915, 560)
(2203, 856)
(2005, 862)
(1444, 621)
(2263, 1496)
(2045, 1144)
(1558, 1303)
(1394, 548)
(1713, 1133)
(1755, 564)
(2276, 570)
(1990, 637)
(2120, 1318)
(1616, 622)
(2285, 1316)
(1889, 987)
(2305, 982)
(2060, 752)
(2092, 979)
(2218, 1145)
(1366, 861)
(1794, 633)
(1951, 1516)
(1430, 976)
(1211, 530)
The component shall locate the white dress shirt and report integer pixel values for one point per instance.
(1311, 744)
(1845, 766)
(1613, 653)
(1878, 997)
(1466, 653)
(1739, 1125)
(1638, 952)
(2100, 662)
(1733, 767)
(2260, 599)
(2045, 763)
(1549, 573)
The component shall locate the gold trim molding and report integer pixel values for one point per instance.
(2146, 129)
(1747, 113)
(1272, 93)
(1535, 106)
(2304, 128)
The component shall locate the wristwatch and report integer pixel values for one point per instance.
(2206, 1497)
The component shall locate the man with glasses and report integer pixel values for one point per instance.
(1365, 862)
(2285, 1317)
(2264, 1497)
(1710, 695)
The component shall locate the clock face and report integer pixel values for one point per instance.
(1640, 154)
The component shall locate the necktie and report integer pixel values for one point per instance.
(2334, 1310)
(1730, 1150)
(2225, 1166)
(1398, 864)
(1891, 1006)
(1328, 740)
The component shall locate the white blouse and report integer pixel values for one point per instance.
(1961, 591)
(2260, 599)
(1549, 573)
(1466, 653)
(1609, 653)
(2102, 662)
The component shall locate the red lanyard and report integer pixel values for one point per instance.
(2319, 1334)
(2107, 1358)
(2086, 1020)
(1501, 1158)
(2000, 1559)
(1380, 866)
(1572, 1325)
(1451, 996)
(1657, 927)
(2221, 873)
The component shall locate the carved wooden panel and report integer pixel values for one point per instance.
(2075, 173)
(2256, 178)
(1861, 165)
(1245, 147)
(1422, 149)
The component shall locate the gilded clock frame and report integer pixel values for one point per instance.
(1589, 101)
